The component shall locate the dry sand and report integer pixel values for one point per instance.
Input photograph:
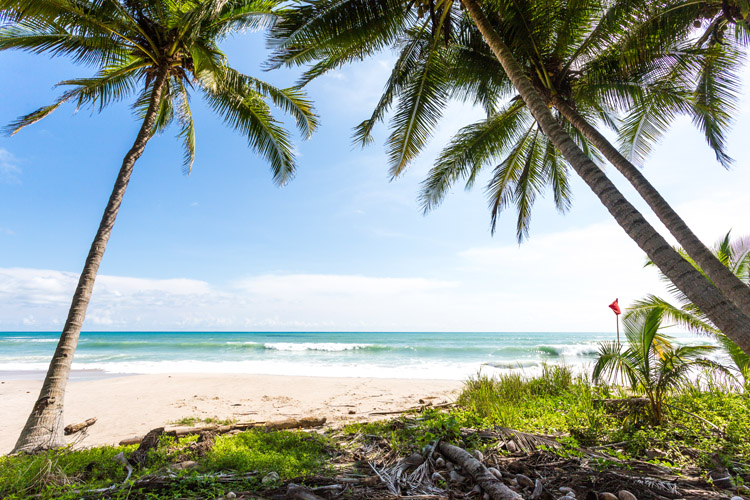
(132, 405)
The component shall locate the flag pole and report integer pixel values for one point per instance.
(617, 322)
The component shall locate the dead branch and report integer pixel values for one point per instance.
(484, 478)
(73, 428)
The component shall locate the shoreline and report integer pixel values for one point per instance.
(131, 405)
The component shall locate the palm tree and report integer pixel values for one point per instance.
(735, 255)
(649, 362)
(158, 51)
(331, 33)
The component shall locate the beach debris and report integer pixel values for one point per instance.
(291, 423)
(538, 489)
(298, 492)
(479, 473)
(73, 428)
(120, 457)
(270, 478)
(149, 442)
(524, 481)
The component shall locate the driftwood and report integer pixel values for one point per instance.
(292, 423)
(483, 477)
(73, 428)
(413, 408)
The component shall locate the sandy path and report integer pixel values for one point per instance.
(132, 405)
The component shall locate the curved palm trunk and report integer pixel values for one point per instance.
(44, 427)
(729, 284)
(722, 311)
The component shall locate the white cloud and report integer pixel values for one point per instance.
(10, 172)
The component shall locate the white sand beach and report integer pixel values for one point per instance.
(132, 405)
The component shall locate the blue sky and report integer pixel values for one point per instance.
(339, 248)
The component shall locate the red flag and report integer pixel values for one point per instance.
(615, 307)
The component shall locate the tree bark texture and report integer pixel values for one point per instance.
(721, 310)
(483, 477)
(729, 284)
(44, 427)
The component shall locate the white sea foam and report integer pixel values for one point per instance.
(314, 346)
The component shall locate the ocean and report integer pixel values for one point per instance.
(427, 355)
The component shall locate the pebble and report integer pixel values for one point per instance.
(607, 496)
(271, 477)
(567, 491)
(625, 495)
(231, 494)
(478, 455)
(189, 464)
(455, 477)
(414, 460)
(496, 473)
(736, 498)
(440, 462)
(524, 481)
(436, 477)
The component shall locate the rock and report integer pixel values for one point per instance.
(625, 495)
(270, 478)
(496, 473)
(440, 463)
(511, 446)
(478, 455)
(607, 496)
(567, 491)
(736, 498)
(524, 481)
(652, 454)
(455, 477)
(352, 412)
(414, 460)
(231, 494)
(188, 464)
(437, 477)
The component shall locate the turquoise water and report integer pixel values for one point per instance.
(398, 355)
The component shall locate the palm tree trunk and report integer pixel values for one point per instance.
(44, 427)
(729, 284)
(722, 311)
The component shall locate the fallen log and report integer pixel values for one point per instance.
(292, 423)
(483, 477)
(73, 428)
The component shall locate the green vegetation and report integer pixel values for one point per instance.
(700, 425)
(59, 473)
(649, 362)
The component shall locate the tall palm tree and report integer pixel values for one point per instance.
(331, 33)
(735, 255)
(649, 361)
(157, 51)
